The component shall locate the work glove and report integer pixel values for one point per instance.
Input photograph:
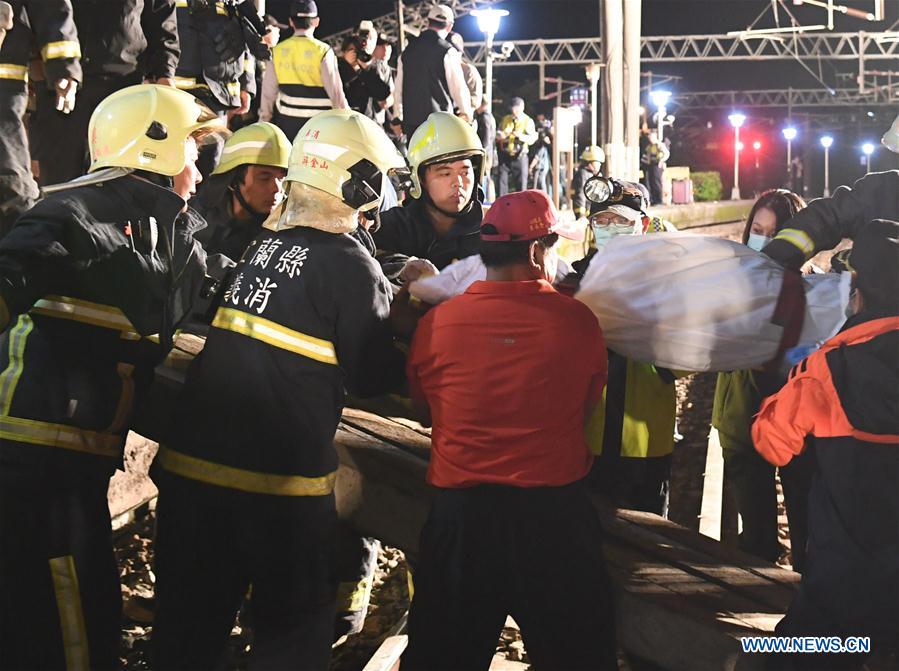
(65, 95)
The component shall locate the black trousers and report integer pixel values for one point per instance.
(17, 186)
(654, 183)
(208, 556)
(490, 551)
(513, 173)
(59, 141)
(59, 581)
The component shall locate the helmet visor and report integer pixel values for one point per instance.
(400, 178)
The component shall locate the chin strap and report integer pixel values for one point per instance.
(452, 215)
(235, 189)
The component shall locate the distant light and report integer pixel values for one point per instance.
(709, 125)
(870, 114)
(736, 119)
(660, 98)
(826, 141)
(868, 148)
(789, 133)
(739, 146)
(756, 145)
(642, 110)
(577, 114)
(488, 19)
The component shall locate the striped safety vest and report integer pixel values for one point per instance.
(297, 63)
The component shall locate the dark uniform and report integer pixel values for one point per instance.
(224, 233)
(250, 474)
(47, 25)
(579, 203)
(425, 88)
(86, 280)
(122, 41)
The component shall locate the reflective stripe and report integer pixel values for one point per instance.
(798, 239)
(318, 103)
(60, 435)
(71, 617)
(13, 71)
(246, 481)
(233, 88)
(353, 596)
(86, 312)
(254, 144)
(64, 49)
(273, 333)
(10, 377)
(219, 7)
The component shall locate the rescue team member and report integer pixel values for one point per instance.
(48, 26)
(85, 277)
(122, 44)
(515, 134)
(653, 163)
(244, 188)
(590, 164)
(303, 78)
(250, 472)
(442, 220)
(510, 531)
(826, 221)
(842, 402)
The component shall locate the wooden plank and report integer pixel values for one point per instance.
(710, 515)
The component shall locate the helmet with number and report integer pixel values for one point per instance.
(593, 153)
(261, 143)
(891, 137)
(146, 127)
(442, 138)
(347, 155)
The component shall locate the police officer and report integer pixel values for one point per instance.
(48, 25)
(244, 188)
(87, 276)
(250, 472)
(122, 43)
(304, 78)
(441, 223)
(516, 132)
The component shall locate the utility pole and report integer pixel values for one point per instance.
(631, 98)
(400, 25)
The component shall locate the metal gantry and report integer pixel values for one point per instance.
(789, 98)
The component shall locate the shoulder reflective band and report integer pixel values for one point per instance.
(219, 7)
(71, 616)
(18, 335)
(274, 334)
(246, 481)
(13, 71)
(65, 49)
(85, 312)
(60, 435)
(799, 239)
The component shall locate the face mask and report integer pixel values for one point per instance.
(757, 242)
(602, 234)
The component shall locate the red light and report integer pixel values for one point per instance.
(756, 145)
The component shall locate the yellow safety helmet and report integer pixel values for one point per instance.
(347, 155)
(146, 127)
(443, 137)
(891, 137)
(260, 143)
(593, 153)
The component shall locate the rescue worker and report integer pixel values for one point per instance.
(442, 220)
(303, 78)
(250, 471)
(653, 162)
(515, 134)
(842, 403)
(826, 221)
(89, 274)
(49, 27)
(244, 189)
(590, 165)
(511, 530)
(429, 75)
(122, 44)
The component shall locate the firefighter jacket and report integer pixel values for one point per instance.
(407, 231)
(579, 202)
(127, 37)
(826, 221)
(843, 401)
(224, 234)
(304, 317)
(200, 66)
(48, 26)
(91, 279)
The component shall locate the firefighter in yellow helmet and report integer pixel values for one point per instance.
(243, 189)
(441, 223)
(589, 166)
(87, 276)
(249, 474)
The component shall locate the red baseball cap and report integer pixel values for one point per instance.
(525, 215)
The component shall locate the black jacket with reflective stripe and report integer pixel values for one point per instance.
(48, 26)
(83, 287)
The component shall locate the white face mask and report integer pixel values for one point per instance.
(757, 242)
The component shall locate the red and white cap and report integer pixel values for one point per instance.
(525, 215)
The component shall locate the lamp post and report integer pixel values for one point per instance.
(867, 150)
(660, 100)
(789, 134)
(488, 22)
(826, 142)
(736, 120)
(577, 116)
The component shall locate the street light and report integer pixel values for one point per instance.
(488, 23)
(826, 142)
(660, 100)
(756, 146)
(789, 134)
(867, 150)
(736, 120)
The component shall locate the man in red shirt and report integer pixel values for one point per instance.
(509, 372)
